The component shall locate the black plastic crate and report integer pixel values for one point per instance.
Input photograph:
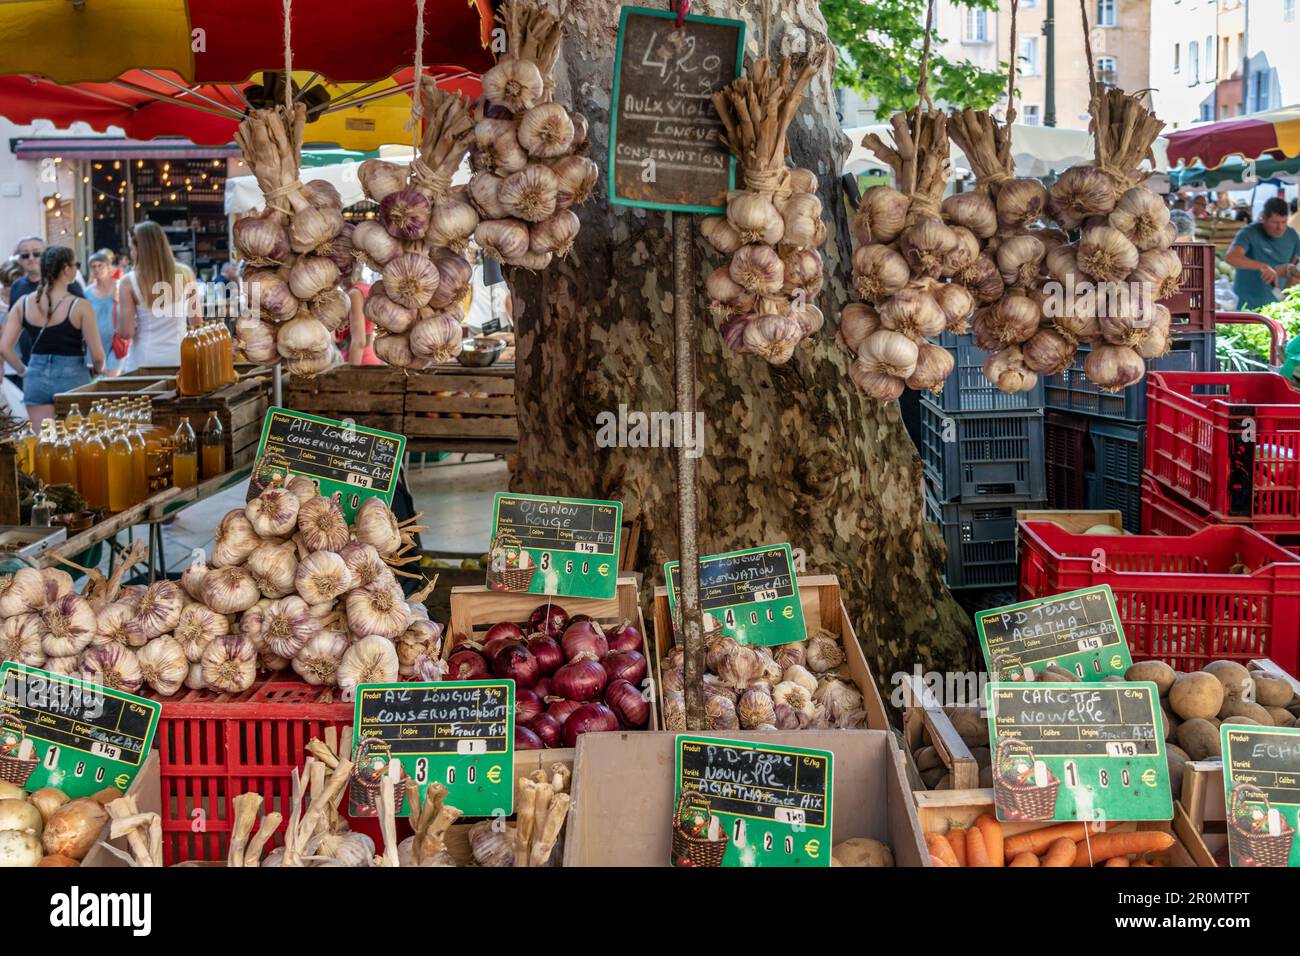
(1068, 453)
(981, 540)
(967, 390)
(1070, 391)
(1115, 481)
(969, 455)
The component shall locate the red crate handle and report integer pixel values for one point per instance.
(1276, 331)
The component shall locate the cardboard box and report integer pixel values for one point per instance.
(623, 794)
(145, 788)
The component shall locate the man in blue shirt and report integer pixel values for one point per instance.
(1263, 254)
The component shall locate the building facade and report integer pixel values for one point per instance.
(1271, 67)
(1197, 61)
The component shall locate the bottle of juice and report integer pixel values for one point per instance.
(97, 413)
(211, 358)
(227, 353)
(45, 451)
(187, 382)
(121, 481)
(25, 445)
(73, 419)
(139, 468)
(92, 467)
(185, 456)
(213, 447)
(63, 467)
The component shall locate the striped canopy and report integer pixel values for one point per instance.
(1275, 135)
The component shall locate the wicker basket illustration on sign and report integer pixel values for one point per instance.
(372, 765)
(1014, 790)
(14, 768)
(1249, 838)
(269, 469)
(1009, 667)
(510, 566)
(691, 843)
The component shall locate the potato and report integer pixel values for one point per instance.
(1200, 739)
(1236, 680)
(1055, 673)
(1175, 749)
(1281, 716)
(927, 758)
(860, 851)
(1171, 724)
(1233, 710)
(1198, 695)
(932, 776)
(1273, 692)
(1158, 672)
(1249, 721)
(1177, 761)
(972, 728)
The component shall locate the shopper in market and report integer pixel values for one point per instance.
(360, 330)
(101, 293)
(1263, 254)
(61, 327)
(155, 300)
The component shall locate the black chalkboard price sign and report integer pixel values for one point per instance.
(665, 150)
(1079, 631)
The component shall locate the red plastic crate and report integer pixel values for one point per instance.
(1229, 443)
(213, 747)
(1192, 306)
(1178, 598)
(1161, 514)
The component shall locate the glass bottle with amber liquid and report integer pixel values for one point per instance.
(226, 353)
(45, 450)
(187, 376)
(139, 469)
(25, 446)
(185, 456)
(63, 466)
(121, 474)
(212, 447)
(92, 467)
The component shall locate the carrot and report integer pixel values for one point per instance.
(1038, 841)
(991, 830)
(1117, 861)
(956, 837)
(977, 853)
(1106, 846)
(1060, 853)
(939, 849)
(1024, 859)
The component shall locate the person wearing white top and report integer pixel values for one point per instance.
(156, 300)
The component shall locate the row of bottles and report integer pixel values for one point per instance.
(207, 360)
(116, 457)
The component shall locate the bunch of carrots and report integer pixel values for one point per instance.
(1066, 844)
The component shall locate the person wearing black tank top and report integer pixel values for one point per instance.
(61, 327)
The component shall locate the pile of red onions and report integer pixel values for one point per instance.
(571, 675)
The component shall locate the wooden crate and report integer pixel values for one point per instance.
(921, 716)
(9, 484)
(372, 396)
(1075, 522)
(823, 606)
(475, 609)
(940, 810)
(464, 423)
(526, 761)
(241, 409)
(111, 389)
(1204, 803)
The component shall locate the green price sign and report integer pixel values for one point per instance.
(458, 733)
(556, 546)
(1261, 781)
(752, 595)
(745, 803)
(1087, 752)
(84, 737)
(1079, 631)
(343, 457)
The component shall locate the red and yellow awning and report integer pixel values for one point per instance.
(1275, 134)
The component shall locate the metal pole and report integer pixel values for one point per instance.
(1049, 77)
(275, 387)
(686, 342)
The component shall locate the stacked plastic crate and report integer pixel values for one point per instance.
(983, 457)
(1095, 440)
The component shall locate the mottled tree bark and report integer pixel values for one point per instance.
(791, 453)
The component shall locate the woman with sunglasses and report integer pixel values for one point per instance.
(61, 327)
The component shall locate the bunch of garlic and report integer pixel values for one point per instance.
(295, 252)
(529, 170)
(786, 687)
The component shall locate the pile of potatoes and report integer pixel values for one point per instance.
(973, 728)
(1195, 704)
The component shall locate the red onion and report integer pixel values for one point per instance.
(527, 705)
(587, 718)
(547, 651)
(548, 728)
(515, 662)
(627, 704)
(581, 679)
(560, 709)
(625, 665)
(467, 665)
(624, 637)
(492, 647)
(542, 687)
(525, 739)
(584, 636)
(550, 619)
(504, 629)
(580, 617)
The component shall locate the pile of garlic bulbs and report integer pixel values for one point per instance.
(289, 585)
(294, 252)
(528, 171)
(905, 266)
(763, 298)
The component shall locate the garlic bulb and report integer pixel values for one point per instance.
(365, 565)
(437, 337)
(914, 312)
(795, 696)
(411, 280)
(576, 177)
(302, 339)
(1161, 269)
(1007, 370)
(514, 83)
(256, 340)
(1114, 367)
(386, 313)
(502, 238)
(158, 610)
(312, 228)
(229, 664)
(957, 304)
(530, 194)
(839, 697)
(69, 666)
(974, 210)
(287, 625)
(192, 578)
(720, 714)
(755, 707)
(889, 353)
(983, 279)
(113, 626)
(318, 661)
(230, 590)
(546, 130)
(879, 272)
(926, 245)
(67, 625)
(322, 576)
(1106, 254)
(261, 240)
(374, 243)
(1021, 203)
(720, 234)
(311, 276)
(235, 539)
(379, 178)
(1019, 259)
(322, 525)
(1080, 192)
(198, 625)
(25, 591)
(857, 321)
(272, 568)
(964, 252)
(1014, 319)
(20, 640)
(755, 217)
(273, 513)
(823, 652)
(371, 660)
(113, 666)
(798, 674)
(377, 610)
(555, 235)
(452, 224)
(875, 384)
(933, 366)
(739, 666)
(787, 655)
(801, 214)
(773, 337)
(1048, 352)
(194, 677)
(376, 525)
(883, 212)
(163, 665)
